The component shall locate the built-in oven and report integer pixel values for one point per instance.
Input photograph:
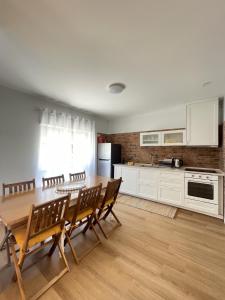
(201, 187)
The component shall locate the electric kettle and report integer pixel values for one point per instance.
(178, 163)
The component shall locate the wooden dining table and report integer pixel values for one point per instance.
(15, 208)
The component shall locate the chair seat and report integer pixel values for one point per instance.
(108, 202)
(20, 235)
(80, 216)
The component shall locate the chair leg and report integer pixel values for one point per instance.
(114, 215)
(3, 242)
(56, 278)
(107, 213)
(18, 273)
(100, 226)
(87, 226)
(72, 248)
(8, 250)
(95, 232)
(54, 245)
(63, 256)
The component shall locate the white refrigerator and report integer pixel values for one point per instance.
(108, 154)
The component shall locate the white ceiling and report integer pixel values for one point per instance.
(70, 50)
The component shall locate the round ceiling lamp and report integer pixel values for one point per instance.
(116, 88)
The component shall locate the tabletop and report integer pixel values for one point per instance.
(14, 209)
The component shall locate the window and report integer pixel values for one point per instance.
(67, 144)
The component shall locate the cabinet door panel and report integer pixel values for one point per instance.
(129, 177)
(150, 139)
(117, 172)
(202, 123)
(148, 191)
(170, 195)
(174, 137)
(148, 183)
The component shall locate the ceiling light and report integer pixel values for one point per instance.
(116, 88)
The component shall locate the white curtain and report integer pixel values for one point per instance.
(67, 144)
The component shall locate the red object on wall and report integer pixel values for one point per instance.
(101, 138)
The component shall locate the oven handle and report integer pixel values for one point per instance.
(208, 181)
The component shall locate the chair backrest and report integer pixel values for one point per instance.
(87, 199)
(22, 186)
(77, 176)
(45, 216)
(112, 191)
(52, 181)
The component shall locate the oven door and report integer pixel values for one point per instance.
(201, 190)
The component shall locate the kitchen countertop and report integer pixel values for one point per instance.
(182, 169)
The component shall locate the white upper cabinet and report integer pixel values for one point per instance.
(174, 137)
(163, 138)
(203, 123)
(150, 138)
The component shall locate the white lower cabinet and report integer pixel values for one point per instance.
(148, 183)
(162, 185)
(117, 171)
(171, 187)
(129, 177)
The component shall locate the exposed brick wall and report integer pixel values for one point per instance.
(192, 156)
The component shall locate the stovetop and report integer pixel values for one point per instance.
(201, 170)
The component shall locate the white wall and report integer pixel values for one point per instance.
(19, 133)
(165, 119)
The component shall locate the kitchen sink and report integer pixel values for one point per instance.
(149, 165)
(144, 165)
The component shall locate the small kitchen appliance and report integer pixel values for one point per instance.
(178, 163)
(171, 162)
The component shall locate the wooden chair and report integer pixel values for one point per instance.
(8, 189)
(45, 221)
(13, 188)
(106, 205)
(83, 212)
(52, 181)
(77, 176)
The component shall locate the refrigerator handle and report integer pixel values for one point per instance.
(105, 159)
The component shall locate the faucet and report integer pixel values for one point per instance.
(153, 158)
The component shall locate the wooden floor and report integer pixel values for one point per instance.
(149, 257)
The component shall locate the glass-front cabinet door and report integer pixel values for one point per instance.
(150, 138)
(174, 137)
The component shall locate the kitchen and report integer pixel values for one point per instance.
(112, 150)
(179, 167)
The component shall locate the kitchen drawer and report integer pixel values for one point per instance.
(148, 174)
(202, 206)
(171, 179)
(171, 195)
(172, 175)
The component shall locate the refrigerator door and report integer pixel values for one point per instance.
(104, 167)
(104, 151)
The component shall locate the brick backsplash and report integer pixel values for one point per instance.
(192, 156)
